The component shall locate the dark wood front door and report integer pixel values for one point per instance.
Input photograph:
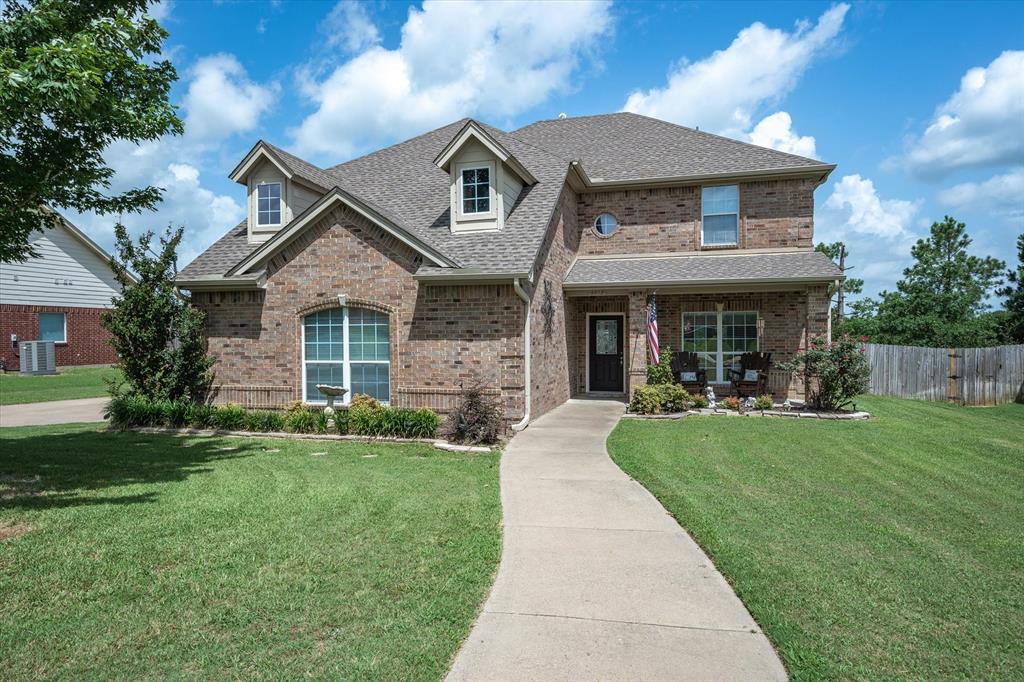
(605, 353)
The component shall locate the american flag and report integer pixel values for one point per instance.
(652, 331)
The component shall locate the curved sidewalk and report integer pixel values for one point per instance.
(596, 580)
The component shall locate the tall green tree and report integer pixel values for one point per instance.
(942, 299)
(1014, 293)
(75, 76)
(838, 252)
(155, 330)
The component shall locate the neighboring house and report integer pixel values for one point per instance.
(58, 296)
(519, 260)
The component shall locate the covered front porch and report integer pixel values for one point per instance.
(606, 317)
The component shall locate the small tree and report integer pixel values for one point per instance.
(156, 331)
(834, 373)
(661, 373)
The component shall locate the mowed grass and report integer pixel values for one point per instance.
(70, 383)
(886, 549)
(131, 556)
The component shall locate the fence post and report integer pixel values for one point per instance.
(953, 375)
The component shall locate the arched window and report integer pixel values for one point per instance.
(348, 347)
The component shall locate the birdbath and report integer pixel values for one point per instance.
(331, 392)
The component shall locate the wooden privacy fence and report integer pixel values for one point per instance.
(970, 376)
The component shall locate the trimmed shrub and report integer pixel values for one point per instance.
(264, 421)
(700, 401)
(764, 402)
(646, 400)
(674, 398)
(478, 418)
(230, 417)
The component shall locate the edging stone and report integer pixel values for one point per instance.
(439, 444)
(708, 412)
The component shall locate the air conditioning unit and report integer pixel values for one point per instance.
(38, 357)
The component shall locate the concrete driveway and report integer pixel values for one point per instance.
(54, 412)
(596, 580)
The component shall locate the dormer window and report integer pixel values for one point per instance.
(268, 208)
(476, 190)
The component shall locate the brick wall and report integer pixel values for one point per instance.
(549, 341)
(440, 336)
(786, 320)
(87, 340)
(773, 214)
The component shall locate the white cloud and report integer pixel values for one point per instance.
(160, 10)
(982, 124)
(776, 131)
(724, 91)
(349, 26)
(454, 60)
(221, 100)
(859, 208)
(1000, 194)
(878, 232)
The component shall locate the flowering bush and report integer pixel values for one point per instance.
(835, 373)
(764, 402)
(730, 402)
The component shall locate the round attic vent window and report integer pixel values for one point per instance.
(606, 224)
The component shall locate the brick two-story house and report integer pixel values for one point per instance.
(523, 260)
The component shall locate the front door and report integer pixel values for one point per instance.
(605, 353)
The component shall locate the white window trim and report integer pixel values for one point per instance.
(491, 190)
(346, 362)
(735, 213)
(280, 203)
(64, 318)
(719, 354)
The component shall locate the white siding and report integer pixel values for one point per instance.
(66, 273)
(510, 189)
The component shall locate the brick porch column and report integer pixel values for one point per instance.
(636, 341)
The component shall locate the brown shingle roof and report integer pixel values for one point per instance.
(403, 182)
(702, 268)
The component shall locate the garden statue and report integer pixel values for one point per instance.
(710, 392)
(750, 403)
(331, 392)
(787, 406)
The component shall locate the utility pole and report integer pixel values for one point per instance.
(842, 268)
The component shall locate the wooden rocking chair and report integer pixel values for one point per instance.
(751, 378)
(685, 364)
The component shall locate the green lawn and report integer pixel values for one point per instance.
(151, 556)
(886, 549)
(81, 382)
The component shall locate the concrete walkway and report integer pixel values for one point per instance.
(596, 580)
(54, 412)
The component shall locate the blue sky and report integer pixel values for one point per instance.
(921, 105)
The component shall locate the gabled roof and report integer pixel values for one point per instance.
(630, 148)
(408, 191)
(475, 131)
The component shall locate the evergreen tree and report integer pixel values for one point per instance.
(942, 300)
(157, 333)
(837, 252)
(1014, 293)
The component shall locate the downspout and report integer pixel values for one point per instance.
(526, 356)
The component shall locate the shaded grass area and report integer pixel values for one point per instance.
(885, 549)
(153, 556)
(69, 384)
